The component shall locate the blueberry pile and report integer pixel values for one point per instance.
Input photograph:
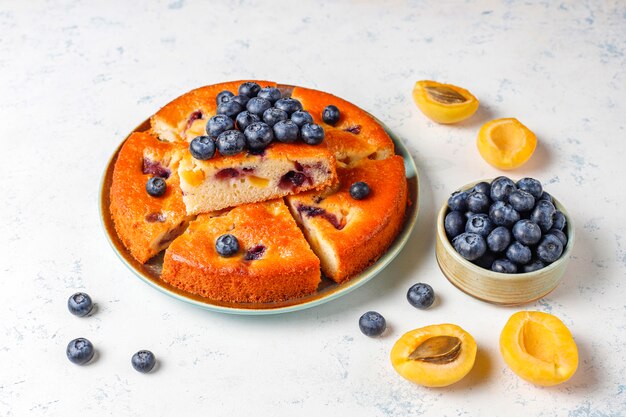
(506, 226)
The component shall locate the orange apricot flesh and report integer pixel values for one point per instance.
(539, 348)
(444, 103)
(506, 143)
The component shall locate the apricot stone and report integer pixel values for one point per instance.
(444, 103)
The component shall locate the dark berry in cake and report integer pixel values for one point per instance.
(230, 142)
(79, 351)
(245, 119)
(499, 239)
(223, 97)
(301, 117)
(258, 105)
(549, 249)
(227, 245)
(271, 94)
(359, 190)
(331, 115)
(521, 200)
(504, 266)
(421, 296)
(372, 324)
(518, 253)
(543, 215)
(80, 304)
(273, 115)
(258, 136)
(480, 224)
(471, 246)
(454, 224)
(289, 105)
(231, 108)
(458, 201)
(219, 124)
(202, 148)
(532, 186)
(286, 131)
(312, 134)
(501, 188)
(526, 232)
(156, 186)
(143, 361)
(502, 214)
(249, 89)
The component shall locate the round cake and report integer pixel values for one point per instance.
(299, 183)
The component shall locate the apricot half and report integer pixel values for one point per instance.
(539, 348)
(434, 356)
(444, 103)
(506, 143)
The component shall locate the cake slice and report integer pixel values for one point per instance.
(347, 234)
(146, 224)
(274, 262)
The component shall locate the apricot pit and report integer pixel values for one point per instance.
(444, 103)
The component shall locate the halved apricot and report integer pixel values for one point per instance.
(434, 356)
(539, 348)
(506, 143)
(444, 103)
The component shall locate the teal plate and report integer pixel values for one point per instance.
(326, 291)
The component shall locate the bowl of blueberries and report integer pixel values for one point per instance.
(504, 242)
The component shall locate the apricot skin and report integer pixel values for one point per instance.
(506, 143)
(433, 374)
(539, 348)
(444, 113)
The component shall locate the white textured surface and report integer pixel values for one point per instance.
(75, 77)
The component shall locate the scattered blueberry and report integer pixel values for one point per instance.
(223, 97)
(421, 296)
(549, 249)
(245, 119)
(271, 94)
(546, 196)
(230, 108)
(543, 215)
(227, 245)
(312, 134)
(504, 266)
(471, 246)
(202, 147)
(372, 324)
(273, 115)
(454, 223)
(143, 361)
(359, 190)
(483, 187)
(258, 136)
(518, 253)
(289, 105)
(243, 100)
(559, 234)
(79, 304)
(286, 131)
(458, 201)
(558, 220)
(526, 232)
(79, 351)
(230, 142)
(532, 186)
(501, 188)
(533, 266)
(521, 200)
(478, 202)
(480, 224)
(331, 115)
(301, 117)
(499, 239)
(156, 186)
(249, 89)
(258, 105)
(502, 214)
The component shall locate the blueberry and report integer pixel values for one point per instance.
(79, 351)
(156, 186)
(258, 105)
(478, 202)
(547, 197)
(289, 105)
(480, 224)
(454, 223)
(258, 136)
(471, 246)
(521, 200)
(504, 266)
(273, 115)
(458, 201)
(559, 234)
(549, 249)
(312, 134)
(359, 190)
(526, 232)
(543, 215)
(518, 253)
(243, 100)
(486, 260)
(482, 187)
(286, 131)
(230, 142)
(502, 214)
(230, 108)
(499, 239)
(558, 220)
(331, 115)
(501, 188)
(372, 324)
(530, 185)
(80, 304)
(533, 266)
(421, 296)
(245, 119)
(143, 361)
(223, 97)
(227, 245)
(271, 94)
(202, 147)
(301, 117)
(218, 124)
(249, 89)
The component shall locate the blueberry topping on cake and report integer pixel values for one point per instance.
(258, 105)
(230, 108)
(273, 115)
(223, 97)
(219, 124)
(359, 190)
(245, 119)
(258, 136)
(331, 115)
(271, 94)
(143, 361)
(243, 100)
(230, 142)
(312, 134)
(289, 105)
(156, 186)
(286, 131)
(227, 245)
(301, 117)
(202, 148)
(249, 89)
(79, 351)
(80, 304)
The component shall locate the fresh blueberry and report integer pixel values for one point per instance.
(478, 202)
(230, 142)
(471, 246)
(227, 245)
(359, 190)
(458, 201)
(289, 105)
(454, 223)
(79, 351)
(80, 304)
(421, 296)
(231, 108)
(143, 361)
(245, 119)
(156, 186)
(558, 220)
(480, 224)
(533, 266)
(223, 97)
(486, 260)
(543, 215)
(249, 89)
(504, 266)
(258, 136)
(532, 186)
(273, 115)
(312, 134)
(331, 115)
(258, 105)
(502, 214)
(549, 249)
(202, 147)
(286, 131)
(499, 239)
(271, 94)
(559, 234)
(482, 187)
(501, 188)
(547, 197)
(372, 324)
(301, 117)
(521, 200)
(243, 100)
(526, 232)
(518, 253)
(218, 124)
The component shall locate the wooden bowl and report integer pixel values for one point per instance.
(496, 287)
